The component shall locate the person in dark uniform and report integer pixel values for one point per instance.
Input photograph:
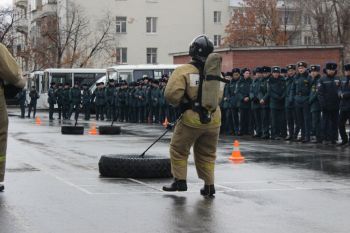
(256, 108)
(123, 101)
(59, 97)
(155, 96)
(34, 96)
(110, 92)
(244, 102)
(301, 91)
(66, 101)
(344, 95)
(75, 98)
(86, 101)
(52, 99)
(264, 102)
(100, 101)
(22, 97)
(289, 104)
(328, 88)
(163, 106)
(116, 102)
(225, 107)
(284, 72)
(236, 73)
(277, 93)
(315, 107)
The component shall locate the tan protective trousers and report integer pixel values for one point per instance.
(3, 133)
(204, 143)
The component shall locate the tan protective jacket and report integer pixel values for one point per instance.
(9, 70)
(185, 79)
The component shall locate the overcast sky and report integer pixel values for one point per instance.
(5, 3)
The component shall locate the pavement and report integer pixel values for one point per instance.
(53, 185)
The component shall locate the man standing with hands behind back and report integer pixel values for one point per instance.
(9, 73)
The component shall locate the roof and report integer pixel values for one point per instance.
(291, 47)
(143, 67)
(75, 70)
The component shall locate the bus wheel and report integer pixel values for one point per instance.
(134, 166)
(109, 130)
(72, 130)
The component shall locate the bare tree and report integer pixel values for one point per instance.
(7, 20)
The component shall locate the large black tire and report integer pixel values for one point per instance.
(72, 130)
(109, 130)
(133, 166)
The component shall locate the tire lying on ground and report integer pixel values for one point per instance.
(109, 130)
(72, 130)
(133, 166)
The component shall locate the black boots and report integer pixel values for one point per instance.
(177, 185)
(2, 187)
(208, 191)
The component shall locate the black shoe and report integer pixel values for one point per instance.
(288, 138)
(265, 137)
(2, 187)
(177, 185)
(306, 140)
(208, 191)
(343, 143)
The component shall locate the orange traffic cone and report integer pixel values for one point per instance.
(166, 122)
(37, 121)
(93, 130)
(236, 155)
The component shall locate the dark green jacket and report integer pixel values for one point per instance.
(242, 91)
(52, 96)
(75, 95)
(277, 92)
(66, 96)
(313, 98)
(254, 94)
(100, 95)
(289, 95)
(263, 95)
(301, 89)
(155, 96)
(86, 97)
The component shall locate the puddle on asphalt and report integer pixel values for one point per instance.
(335, 163)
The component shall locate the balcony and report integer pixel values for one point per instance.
(21, 3)
(22, 26)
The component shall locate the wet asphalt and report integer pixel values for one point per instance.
(53, 185)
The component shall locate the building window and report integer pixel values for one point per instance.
(217, 16)
(307, 40)
(307, 20)
(33, 5)
(121, 24)
(151, 55)
(217, 40)
(151, 24)
(122, 55)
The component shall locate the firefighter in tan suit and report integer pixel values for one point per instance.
(9, 74)
(190, 131)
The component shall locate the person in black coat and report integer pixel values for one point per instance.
(34, 96)
(328, 88)
(344, 95)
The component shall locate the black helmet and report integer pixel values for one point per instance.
(200, 48)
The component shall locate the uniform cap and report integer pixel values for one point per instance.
(331, 66)
(276, 69)
(291, 67)
(302, 64)
(245, 70)
(284, 70)
(236, 70)
(266, 69)
(347, 67)
(316, 68)
(258, 70)
(229, 74)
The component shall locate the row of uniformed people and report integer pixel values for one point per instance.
(137, 102)
(276, 103)
(22, 97)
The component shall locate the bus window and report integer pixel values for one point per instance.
(61, 78)
(138, 74)
(125, 76)
(99, 75)
(37, 82)
(157, 74)
(86, 78)
(45, 83)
